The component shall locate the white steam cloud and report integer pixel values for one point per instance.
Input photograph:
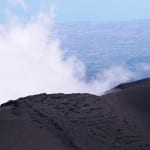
(32, 62)
(144, 66)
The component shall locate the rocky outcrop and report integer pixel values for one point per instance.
(115, 121)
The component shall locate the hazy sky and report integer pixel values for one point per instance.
(89, 10)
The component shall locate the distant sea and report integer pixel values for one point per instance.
(104, 45)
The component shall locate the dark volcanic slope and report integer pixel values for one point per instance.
(116, 121)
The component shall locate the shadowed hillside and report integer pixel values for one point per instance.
(116, 121)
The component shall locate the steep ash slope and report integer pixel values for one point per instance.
(116, 121)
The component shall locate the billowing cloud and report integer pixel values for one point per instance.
(32, 62)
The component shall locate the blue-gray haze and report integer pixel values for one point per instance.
(102, 46)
